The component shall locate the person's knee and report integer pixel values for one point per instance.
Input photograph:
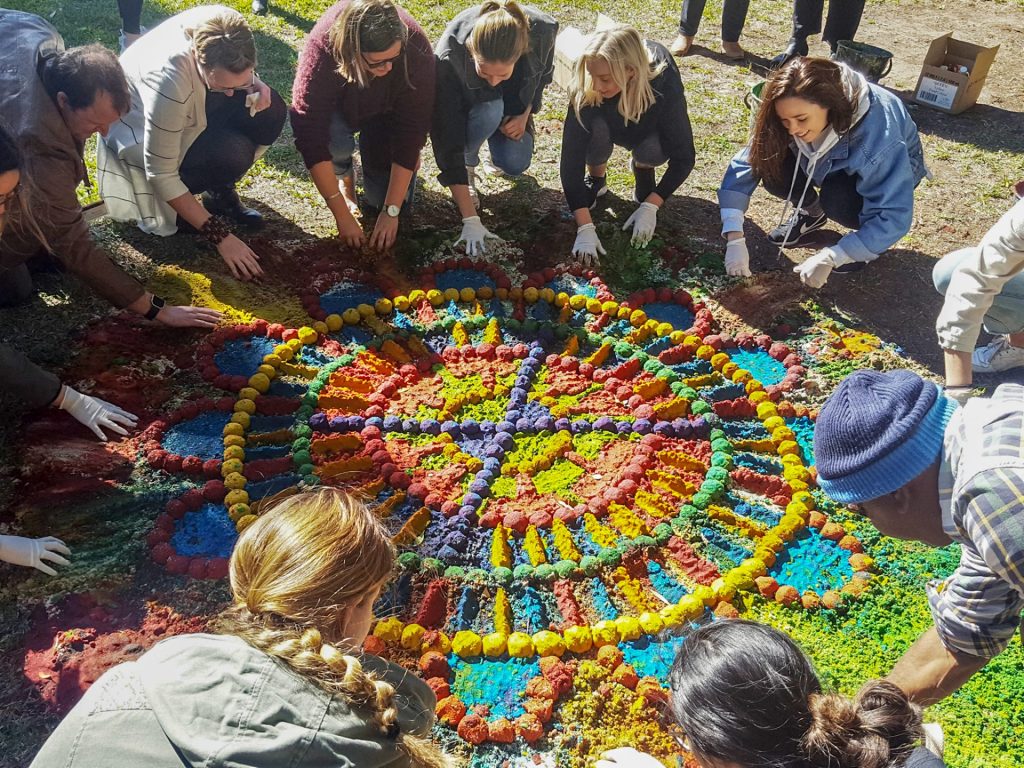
(16, 286)
(513, 157)
(942, 272)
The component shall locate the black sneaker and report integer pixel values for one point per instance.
(596, 187)
(794, 49)
(797, 226)
(225, 202)
(260, 7)
(644, 182)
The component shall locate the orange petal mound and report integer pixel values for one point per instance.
(625, 675)
(725, 610)
(542, 709)
(767, 586)
(501, 731)
(441, 688)
(609, 656)
(473, 729)
(450, 711)
(434, 664)
(529, 727)
(541, 688)
(787, 595)
(557, 672)
(374, 645)
(651, 690)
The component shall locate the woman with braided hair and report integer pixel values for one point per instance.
(283, 682)
(745, 696)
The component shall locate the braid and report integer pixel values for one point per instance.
(341, 674)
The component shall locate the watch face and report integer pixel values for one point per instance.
(393, 211)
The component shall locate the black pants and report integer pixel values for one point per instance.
(840, 24)
(15, 286)
(734, 16)
(222, 153)
(838, 194)
(131, 15)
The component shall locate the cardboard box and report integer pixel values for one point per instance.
(569, 46)
(953, 91)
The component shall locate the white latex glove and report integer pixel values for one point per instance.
(474, 234)
(737, 258)
(627, 757)
(588, 246)
(32, 552)
(643, 221)
(815, 271)
(97, 414)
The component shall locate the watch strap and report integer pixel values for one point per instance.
(155, 305)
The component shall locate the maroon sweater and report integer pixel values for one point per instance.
(320, 92)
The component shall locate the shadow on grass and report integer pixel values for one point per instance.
(982, 126)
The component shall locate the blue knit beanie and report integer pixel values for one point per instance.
(877, 432)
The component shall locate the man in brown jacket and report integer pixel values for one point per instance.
(52, 100)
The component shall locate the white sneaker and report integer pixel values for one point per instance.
(471, 180)
(934, 738)
(996, 356)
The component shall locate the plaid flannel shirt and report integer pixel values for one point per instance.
(981, 489)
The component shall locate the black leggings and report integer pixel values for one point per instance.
(131, 16)
(222, 154)
(839, 197)
(840, 24)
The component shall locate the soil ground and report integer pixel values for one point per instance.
(975, 158)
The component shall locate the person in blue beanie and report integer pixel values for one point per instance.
(922, 468)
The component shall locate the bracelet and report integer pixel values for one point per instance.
(215, 229)
(328, 199)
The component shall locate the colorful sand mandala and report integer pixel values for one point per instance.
(569, 479)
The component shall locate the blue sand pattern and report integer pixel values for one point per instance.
(763, 366)
(463, 278)
(201, 436)
(205, 532)
(240, 357)
(669, 312)
(813, 563)
(496, 684)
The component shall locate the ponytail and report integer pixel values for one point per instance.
(878, 728)
(501, 32)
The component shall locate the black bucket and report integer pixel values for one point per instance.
(870, 60)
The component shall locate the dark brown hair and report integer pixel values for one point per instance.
(81, 73)
(744, 692)
(818, 81)
(224, 40)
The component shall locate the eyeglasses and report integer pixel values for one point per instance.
(678, 735)
(379, 65)
(9, 197)
(218, 89)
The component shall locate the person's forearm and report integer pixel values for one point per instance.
(327, 185)
(142, 304)
(190, 209)
(929, 672)
(460, 194)
(582, 216)
(398, 185)
(959, 372)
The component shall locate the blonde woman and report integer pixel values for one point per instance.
(493, 63)
(200, 117)
(626, 93)
(367, 69)
(284, 681)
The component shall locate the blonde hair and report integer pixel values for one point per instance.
(500, 33)
(366, 26)
(625, 53)
(224, 40)
(294, 572)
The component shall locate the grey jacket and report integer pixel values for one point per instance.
(217, 702)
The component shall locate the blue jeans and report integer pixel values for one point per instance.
(1007, 312)
(512, 157)
(376, 177)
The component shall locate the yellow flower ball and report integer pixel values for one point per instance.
(718, 360)
(351, 316)
(651, 623)
(231, 465)
(501, 293)
(436, 641)
(605, 633)
(272, 360)
(230, 440)
(260, 382)
(267, 370)
(624, 312)
(515, 293)
(321, 328)
(706, 352)
(788, 448)
(294, 344)
(637, 318)
(416, 295)
(628, 627)
(366, 310)
(610, 307)
(284, 352)
(334, 322)
(242, 418)
(766, 410)
(389, 630)
(741, 376)
(237, 511)
(729, 369)
(723, 588)
(231, 428)
(755, 567)
(308, 335)
(236, 497)
(248, 393)
(706, 595)
(401, 303)
(548, 643)
(412, 637)
(530, 295)
(578, 639)
(244, 522)
(774, 422)
(435, 297)
(467, 644)
(664, 329)
(245, 406)
(520, 645)
(235, 481)
(467, 294)
(485, 293)
(754, 386)
(547, 295)
(234, 452)
(383, 306)
(677, 337)
(494, 644)
(758, 397)
(577, 301)
(451, 294)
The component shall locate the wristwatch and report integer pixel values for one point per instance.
(155, 305)
(393, 211)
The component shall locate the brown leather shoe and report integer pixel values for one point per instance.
(681, 45)
(733, 50)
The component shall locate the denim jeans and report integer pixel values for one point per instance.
(512, 157)
(734, 16)
(376, 178)
(1007, 312)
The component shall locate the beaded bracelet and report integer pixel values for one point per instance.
(215, 229)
